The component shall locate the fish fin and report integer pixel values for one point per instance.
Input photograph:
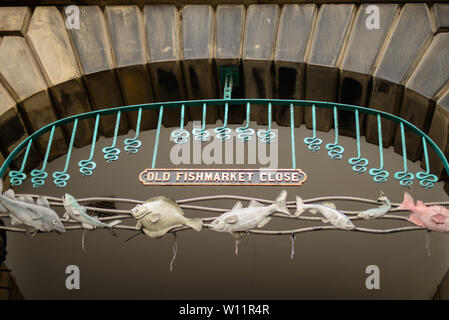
(31, 231)
(195, 223)
(299, 206)
(3, 209)
(28, 199)
(14, 220)
(237, 235)
(10, 194)
(33, 214)
(313, 211)
(408, 203)
(438, 218)
(264, 222)
(330, 205)
(159, 233)
(154, 217)
(232, 219)
(66, 216)
(237, 205)
(413, 218)
(281, 204)
(21, 199)
(42, 201)
(114, 223)
(254, 203)
(88, 226)
(324, 220)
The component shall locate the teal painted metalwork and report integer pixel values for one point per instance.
(379, 174)
(201, 134)
(426, 179)
(405, 178)
(335, 151)
(358, 164)
(156, 140)
(111, 153)
(313, 143)
(223, 133)
(16, 177)
(39, 175)
(245, 133)
(132, 145)
(180, 135)
(88, 166)
(267, 136)
(61, 177)
(292, 134)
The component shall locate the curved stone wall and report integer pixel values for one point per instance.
(130, 54)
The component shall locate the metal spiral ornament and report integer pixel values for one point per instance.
(224, 133)
(313, 143)
(358, 163)
(335, 151)
(180, 135)
(267, 136)
(201, 134)
(39, 175)
(17, 177)
(88, 166)
(61, 177)
(111, 153)
(379, 174)
(426, 179)
(132, 145)
(405, 178)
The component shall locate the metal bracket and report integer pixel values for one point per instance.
(229, 77)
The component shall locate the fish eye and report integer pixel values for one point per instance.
(55, 222)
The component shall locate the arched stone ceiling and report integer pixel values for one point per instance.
(130, 54)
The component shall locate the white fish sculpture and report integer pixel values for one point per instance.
(328, 211)
(79, 213)
(36, 216)
(241, 219)
(158, 215)
(374, 213)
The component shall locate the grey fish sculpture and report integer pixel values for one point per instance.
(241, 219)
(379, 211)
(37, 216)
(159, 215)
(78, 213)
(328, 211)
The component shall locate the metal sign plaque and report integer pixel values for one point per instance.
(223, 177)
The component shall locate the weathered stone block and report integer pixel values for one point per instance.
(49, 38)
(128, 38)
(439, 133)
(199, 73)
(230, 21)
(294, 33)
(22, 76)
(165, 65)
(441, 14)
(363, 47)
(258, 52)
(91, 45)
(14, 20)
(431, 74)
(12, 132)
(396, 64)
(332, 26)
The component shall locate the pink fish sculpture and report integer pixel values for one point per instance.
(435, 218)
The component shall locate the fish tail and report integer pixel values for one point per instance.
(195, 223)
(408, 203)
(280, 203)
(299, 206)
(112, 224)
